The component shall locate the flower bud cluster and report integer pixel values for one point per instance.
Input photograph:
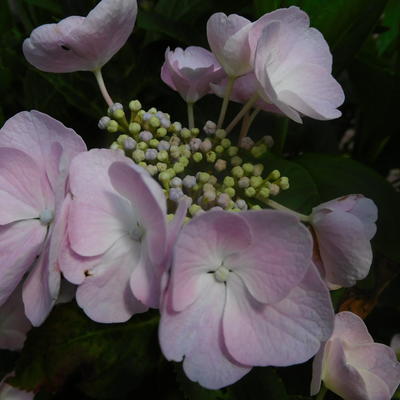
(211, 171)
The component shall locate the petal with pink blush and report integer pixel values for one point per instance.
(14, 263)
(203, 245)
(82, 44)
(36, 134)
(344, 247)
(129, 182)
(13, 323)
(228, 40)
(105, 294)
(351, 328)
(286, 333)
(195, 335)
(274, 264)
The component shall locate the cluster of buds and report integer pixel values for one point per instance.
(211, 172)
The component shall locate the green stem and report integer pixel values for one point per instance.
(102, 86)
(225, 102)
(281, 139)
(190, 115)
(277, 206)
(247, 123)
(322, 393)
(242, 112)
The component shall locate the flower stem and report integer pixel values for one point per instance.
(242, 112)
(247, 121)
(277, 206)
(322, 393)
(225, 102)
(102, 86)
(190, 115)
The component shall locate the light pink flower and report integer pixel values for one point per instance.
(82, 43)
(395, 343)
(351, 365)
(190, 72)
(35, 152)
(117, 236)
(243, 89)
(228, 40)
(343, 229)
(242, 292)
(293, 65)
(13, 323)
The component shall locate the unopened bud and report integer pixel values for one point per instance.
(225, 143)
(263, 193)
(194, 209)
(258, 169)
(209, 127)
(175, 194)
(112, 126)
(103, 123)
(138, 155)
(129, 143)
(211, 156)
(161, 166)
(165, 123)
(220, 133)
(163, 145)
(142, 146)
(236, 160)
(186, 134)
(154, 122)
(176, 127)
(134, 128)
(229, 181)
(284, 183)
(195, 144)
(202, 177)
(135, 105)
(154, 143)
(258, 151)
(151, 154)
(146, 136)
(175, 141)
(241, 204)
(256, 207)
(220, 165)
(237, 172)
(248, 168)
(118, 114)
(232, 151)
(230, 191)
(152, 169)
(197, 157)
(244, 182)
(256, 181)
(184, 161)
(161, 132)
(176, 182)
(205, 146)
(246, 143)
(178, 167)
(274, 175)
(189, 181)
(114, 107)
(250, 191)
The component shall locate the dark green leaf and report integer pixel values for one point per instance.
(338, 176)
(107, 360)
(48, 5)
(391, 21)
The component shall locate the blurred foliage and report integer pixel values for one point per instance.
(73, 357)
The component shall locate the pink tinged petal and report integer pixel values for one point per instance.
(377, 359)
(13, 323)
(8, 392)
(350, 327)
(105, 294)
(344, 247)
(41, 136)
(82, 44)
(395, 343)
(286, 333)
(20, 243)
(195, 336)
(145, 196)
(41, 288)
(228, 40)
(98, 215)
(24, 190)
(317, 366)
(202, 246)
(295, 18)
(278, 257)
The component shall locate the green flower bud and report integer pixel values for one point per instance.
(154, 143)
(256, 181)
(230, 191)
(134, 128)
(219, 149)
(142, 146)
(258, 169)
(225, 143)
(184, 161)
(235, 209)
(115, 146)
(236, 160)
(274, 175)
(178, 167)
(258, 151)
(203, 177)
(171, 172)
(152, 169)
(229, 181)
(135, 105)
(248, 168)
(211, 156)
(284, 183)
(255, 207)
(162, 156)
(220, 133)
(195, 132)
(186, 134)
(152, 110)
(164, 178)
(154, 122)
(212, 180)
(161, 132)
(112, 126)
(119, 114)
(194, 209)
(232, 151)
(197, 157)
(250, 191)
(138, 155)
(121, 139)
(142, 164)
(208, 187)
(161, 166)
(263, 193)
(237, 172)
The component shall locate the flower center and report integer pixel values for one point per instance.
(137, 232)
(221, 274)
(46, 216)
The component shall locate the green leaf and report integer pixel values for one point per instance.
(391, 20)
(47, 5)
(107, 360)
(303, 192)
(338, 176)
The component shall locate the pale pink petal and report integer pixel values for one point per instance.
(350, 327)
(20, 243)
(98, 215)
(395, 343)
(293, 16)
(41, 288)
(41, 136)
(275, 262)
(13, 323)
(317, 368)
(228, 40)
(344, 247)
(286, 333)
(82, 44)
(202, 246)
(195, 336)
(379, 360)
(105, 294)
(8, 392)
(131, 182)
(24, 190)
